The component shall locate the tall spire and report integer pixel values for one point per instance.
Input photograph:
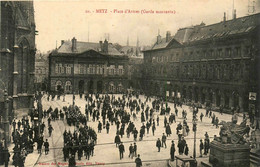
(137, 47)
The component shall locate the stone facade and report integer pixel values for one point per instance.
(212, 65)
(83, 67)
(17, 51)
(41, 72)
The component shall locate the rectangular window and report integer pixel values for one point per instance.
(90, 69)
(238, 52)
(228, 52)
(81, 68)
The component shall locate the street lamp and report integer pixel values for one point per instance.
(194, 128)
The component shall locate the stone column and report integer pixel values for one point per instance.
(222, 99)
(193, 95)
(15, 79)
(214, 99)
(94, 86)
(241, 102)
(231, 101)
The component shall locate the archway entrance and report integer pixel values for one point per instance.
(218, 97)
(235, 99)
(90, 87)
(99, 87)
(202, 96)
(183, 92)
(196, 92)
(81, 86)
(226, 99)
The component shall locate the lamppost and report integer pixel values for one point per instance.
(194, 128)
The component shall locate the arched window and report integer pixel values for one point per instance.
(111, 87)
(120, 87)
(68, 86)
(58, 85)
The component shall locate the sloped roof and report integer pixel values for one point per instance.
(218, 30)
(162, 43)
(85, 46)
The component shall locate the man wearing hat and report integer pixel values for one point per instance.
(172, 150)
(138, 161)
(121, 150)
(201, 147)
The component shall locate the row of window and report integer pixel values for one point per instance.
(225, 71)
(89, 69)
(203, 54)
(68, 86)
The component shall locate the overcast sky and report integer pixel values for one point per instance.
(63, 20)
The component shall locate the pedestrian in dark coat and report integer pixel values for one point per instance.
(138, 161)
(158, 144)
(135, 149)
(172, 151)
(107, 127)
(201, 147)
(117, 140)
(72, 161)
(131, 151)
(168, 130)
(186, 150)
(121, 150)
(39, 145)
(46, 145)
(99, 127)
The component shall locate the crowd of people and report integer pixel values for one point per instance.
(108, 111)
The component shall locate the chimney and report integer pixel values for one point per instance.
(105, 46)
(234, 14)
(158, 39)
(74, 44)
(101, 46)
(62, 42)
(224, 19)
(168, 36)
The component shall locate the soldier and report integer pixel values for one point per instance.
(164, 140)
(121, 150)
(131, 151)
(153, 128)
(46, 145)
(117, 140)
(72, 161)
(168, 130)
(50, 130)
(135, 149)
(138, 161)
(186, 150)
(91, 146)
(201, 147)
(158, 144)
(99, 127)
(172, 150)
(201, 116)
(87, 151)
(80, 152)
(135, 134)
(107, 127)
(39, 145)
(65, 152)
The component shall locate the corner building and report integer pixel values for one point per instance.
(86, 67)
(215, 65)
